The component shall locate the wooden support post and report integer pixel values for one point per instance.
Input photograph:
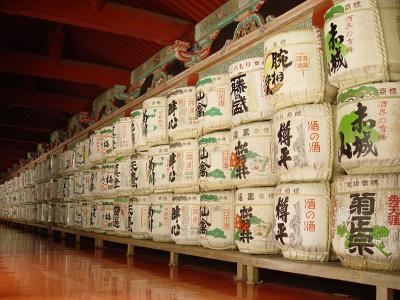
(250, 292)
(173, 273)
(77, 239)
(241, 290)
(98, 243)
(63, 235)
(241, 274)
(384, 293)
(252, 275)
(130, 250)
(173, 259)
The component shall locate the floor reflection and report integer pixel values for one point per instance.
(35, 268)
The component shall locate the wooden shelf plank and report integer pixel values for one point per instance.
(328, 270)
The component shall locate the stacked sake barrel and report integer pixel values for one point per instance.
(302, 131)
(365, 218)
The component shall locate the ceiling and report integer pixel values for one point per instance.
(57, 56)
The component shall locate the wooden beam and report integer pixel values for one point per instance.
(33, 120)
(112, 17)
(97, 4)
(68, 70)
(57, 102)
(23, 133)
(17, 146)
(18, 140)
(29, 129)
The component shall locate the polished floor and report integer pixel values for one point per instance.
(33, 267)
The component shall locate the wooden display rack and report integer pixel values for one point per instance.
(247, 266)
(285, 21)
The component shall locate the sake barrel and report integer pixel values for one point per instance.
(139, 173)
(46, 170)
(79, 185)
(254, 221)
(86, 151)
(248, 99)
(78, 215)
(57, 216)
(122, 130)
(155, 121)
(351, 28)
(96, 218)
(72, 195)
(185, 217)
(294, 69)
(214, 161)
(366, 221)
(122, 176)
(63, 213)
(95, 147)
(251, 161)
(52, 212)
(79, 155)
(108, 146)
(138, 216)
(107, 215)
(160, 217)
(183, 171)
(70, 214)
(107, 180)
(51, 190)
(55, 167)
(213, 103)
(64, 188)
(88, 178)
(139, 144)
(38, 212)
(368, 128)
(86, 209)
(120, 217)
(67, 162)
(304, 142)
(182, 120)
(301, 222)
(158, 166)
(96, 179)
(217, 212)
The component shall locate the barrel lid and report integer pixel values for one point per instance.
(186, 198)
(369, 91)
(139, 199)
(136, 113)
(263, 128)
(158, 150)
(301, 189)
(261, 195)
(246, 65)
(286, 38)
(354, 183)
(161, 198)
(188, 144)
(212, 79)
(217, 197)
(155, 102)
(346, 7)
(216, 138)
(304, 111)
(182, 91)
